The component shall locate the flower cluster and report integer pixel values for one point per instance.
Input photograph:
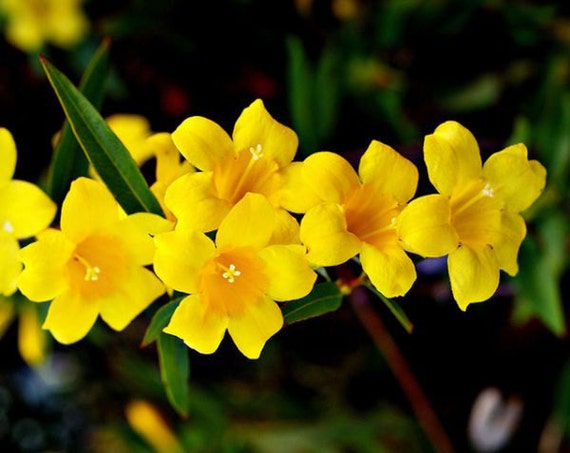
(246, 225)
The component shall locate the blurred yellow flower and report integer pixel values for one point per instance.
(94, 265)
(25, 211)
(233, 283)
(356, 213)
(475, 217)
(253, 160)
(133, 130)
(32, 23)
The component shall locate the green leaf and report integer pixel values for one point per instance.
(327, 93)
(394, 307)
(108, 155)
(174, 371)
(324, 298)
(159, 321)
(68, 160)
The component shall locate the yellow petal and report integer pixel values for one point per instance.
(24, 209)
(452, 156)
(7, 156)
(180, 255)
(132, 130)
(296, 194)
(513, 178)
(250, 223)
(10, 265)
(140, 289)
(424, 226)
(201, 329)
(255, 126)
(202, 142)
(32, 341)
(474, 274)
(192, 200)
(70, 317)
(513, 231)
(136, 233)
(88, 207)
(390, 270)
(330, 176)
(324, 233)
(44, 275)
(255, 326)
(168, 164)
(290, 276)
(286, 229)
(392, 173)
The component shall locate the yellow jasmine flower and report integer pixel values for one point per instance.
(94, 265)
(24, 212)
(233, 283)
(475, 216)
(357, 214)
(252, 160)
(133, 131)
(32, 23)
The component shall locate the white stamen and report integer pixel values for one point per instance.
(231, 273)
(256, 152)
(92, 274)
(488, 191)
(7, 226)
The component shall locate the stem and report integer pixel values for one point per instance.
(421, 406)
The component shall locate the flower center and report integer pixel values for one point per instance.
(91, 272)
(230, 273)
(7, 226)
(256, 152)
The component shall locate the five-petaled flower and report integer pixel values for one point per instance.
(232, 283)
(94, 265)
(252, 160)
(25, 211)
(356, 213)
(475, 217)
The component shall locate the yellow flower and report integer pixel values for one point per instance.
(94, 265)
(133, 131)
(24, 212)
(357, 213)
(475, 217)
(233, 283)
(32, 23)
(252, 162)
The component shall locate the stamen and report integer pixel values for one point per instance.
(256, 152)
(488, 191)
(91, 272)
(231, 273)
(7, 226)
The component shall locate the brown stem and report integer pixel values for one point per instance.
(426, 416)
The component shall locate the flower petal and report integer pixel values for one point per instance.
(202, 142)
(140, 289)
(10, 265)
(180, 255)
(290, 276)
(390, 270)
(324, 233)
(513, 178)
(424, 226)
(136, 233)
(192, 200)
(296, 194)
(24, 209)
(452, 156)
(250, 223)
(286, 229)
(390, 171)
(70, 317)
(88, 207)
(474, 274)
(44, 274)
(132, 130)
(255, 126)
(330, 176)
(513, 231)
(31, 338)
(201, 329)
(8, 155)
(255, 326)
(168, 164)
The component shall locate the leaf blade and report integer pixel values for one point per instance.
(159, 321)
(324, 298)
(174, 371)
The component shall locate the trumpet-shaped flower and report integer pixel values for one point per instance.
(24, 212)
(94, 265)
(233, 283)
(357, 213)
(252, 160)
(475, 216)
(32, 23)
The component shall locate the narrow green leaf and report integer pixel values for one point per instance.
(327, 93)
(68, 160)
(174, 371)
(108, 155)
(324, 298)
(159, 321)
(394, 307)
